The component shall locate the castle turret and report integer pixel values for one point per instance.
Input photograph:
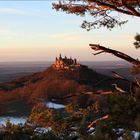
(75, 61)
(71, 61)
(60, 57)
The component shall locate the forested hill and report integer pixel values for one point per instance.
(52, 83)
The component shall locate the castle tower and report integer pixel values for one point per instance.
(60, 57)
(75, 61)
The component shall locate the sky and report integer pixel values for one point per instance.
(33, 31)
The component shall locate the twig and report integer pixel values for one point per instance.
(117, 75)
(99, 52)
(97, 121)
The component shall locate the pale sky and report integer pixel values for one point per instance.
(33, 31)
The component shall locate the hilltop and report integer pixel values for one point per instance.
(66, 76)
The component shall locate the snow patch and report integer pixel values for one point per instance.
(55, 105)
(42, 130)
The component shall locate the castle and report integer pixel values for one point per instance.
(65, 63)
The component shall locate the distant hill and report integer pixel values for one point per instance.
(52, 77)
(51, 83)
(12, 70)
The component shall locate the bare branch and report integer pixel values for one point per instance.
(121, 55)
(95, 122)
(117, 75)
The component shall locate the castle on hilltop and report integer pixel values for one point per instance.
(65, 63)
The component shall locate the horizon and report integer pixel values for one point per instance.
(29, 33)
(37, 61)
(45, 64)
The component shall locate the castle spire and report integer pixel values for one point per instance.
(60, 57)
(75, 61)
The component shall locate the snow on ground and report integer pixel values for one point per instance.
(22, 120)
(55, 105)
(135, 135)
(42, 130)
(13, 120)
